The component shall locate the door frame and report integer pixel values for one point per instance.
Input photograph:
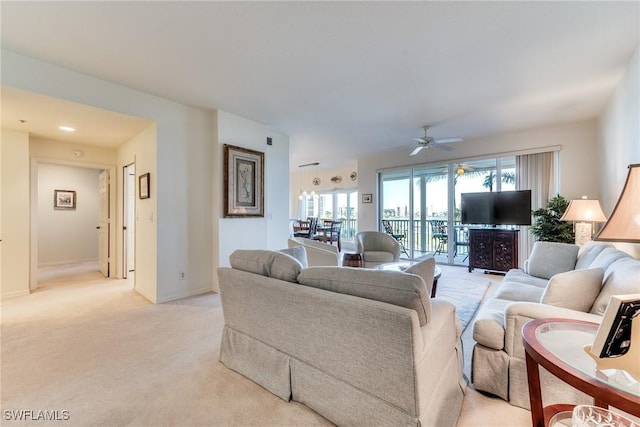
(127, 200)
(33, 258)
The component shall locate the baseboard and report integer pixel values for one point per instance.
(185, 294)
(67, 262)
(15, 294)
(151, 298)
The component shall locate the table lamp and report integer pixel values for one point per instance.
(624, 223)
(584, 213)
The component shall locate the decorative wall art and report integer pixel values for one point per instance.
(367, 198)
(243, 182)
(144, 186)
(64, 199)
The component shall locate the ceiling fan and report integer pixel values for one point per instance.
(428, 141)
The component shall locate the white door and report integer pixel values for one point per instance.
(103, 223)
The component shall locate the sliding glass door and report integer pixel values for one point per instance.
(423, 204)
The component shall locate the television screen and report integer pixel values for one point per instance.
(476, 208)
(512, 208)
(497, 208)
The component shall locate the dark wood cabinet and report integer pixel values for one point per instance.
(493, 249)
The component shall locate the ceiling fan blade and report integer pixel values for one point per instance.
(447, 140)
(421, 140)
(416, 150)
(443, 147)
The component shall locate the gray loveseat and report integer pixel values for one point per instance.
(358, 346)
(559, 280)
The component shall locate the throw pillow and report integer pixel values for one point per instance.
(549, 258)
(299, 253)
(576, 289)
(266, 263)
(424, 269)
(393, 287)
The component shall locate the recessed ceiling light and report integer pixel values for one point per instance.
(67, 128)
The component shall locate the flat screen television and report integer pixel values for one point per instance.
(496, 208)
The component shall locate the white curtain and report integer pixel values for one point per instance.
(535, 172)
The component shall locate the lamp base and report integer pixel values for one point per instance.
(583, 232)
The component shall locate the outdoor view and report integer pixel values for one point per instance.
(423, 204)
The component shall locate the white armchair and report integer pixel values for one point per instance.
(318, 253)
(377, 248)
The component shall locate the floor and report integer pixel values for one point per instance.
(477, 410)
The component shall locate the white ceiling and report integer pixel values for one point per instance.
(344, 79)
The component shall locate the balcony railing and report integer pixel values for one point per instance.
(422, 231)
(424, 240)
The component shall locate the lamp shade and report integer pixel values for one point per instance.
(584, 210)
(624, 223)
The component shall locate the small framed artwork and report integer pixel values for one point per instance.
(64, 199)
(243, 182)
(367, 198)
(144, 186)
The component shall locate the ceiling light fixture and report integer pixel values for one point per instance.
(67, 128)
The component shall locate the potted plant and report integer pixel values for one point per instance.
(547, 226)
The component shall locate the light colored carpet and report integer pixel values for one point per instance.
(96, 348)
(465, 294)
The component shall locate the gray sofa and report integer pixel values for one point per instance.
(558, 280)
(358, 346)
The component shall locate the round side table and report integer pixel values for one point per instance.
(352, 260)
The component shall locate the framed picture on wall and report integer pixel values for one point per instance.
(144, 186)
(64, 199)
(243, 182)
(367, 198)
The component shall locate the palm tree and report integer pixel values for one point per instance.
(507, 178)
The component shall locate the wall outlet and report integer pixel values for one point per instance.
(182, 275)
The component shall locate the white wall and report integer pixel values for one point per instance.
(577, 160)
(272, 231)
(14, 213)
(619, 144)
(67, 236)
(180, 166)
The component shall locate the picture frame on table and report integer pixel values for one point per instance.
(64, 199)
(243, 182)
(144, 186)
(367, 198)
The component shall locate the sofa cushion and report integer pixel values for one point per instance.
(266, 263)
(519, 276)
(607, 257)
(299, 253)
(622, 277)
(588, 253)
(393, 287)
(550, 258)
(425, 269)
(514, 291)
(575, 289)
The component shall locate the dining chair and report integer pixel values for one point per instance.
(306, 228)
(331, 233)
(386, 224)
(462, 240)
(439, 234)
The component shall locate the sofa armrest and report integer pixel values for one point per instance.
(518, 314)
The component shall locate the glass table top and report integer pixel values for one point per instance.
(566, 341)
